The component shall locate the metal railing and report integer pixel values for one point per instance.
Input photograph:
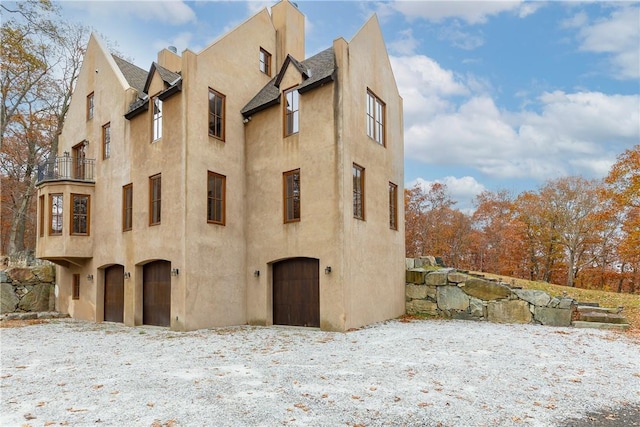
(67, 168)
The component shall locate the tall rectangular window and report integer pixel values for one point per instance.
(375, 118)
(55, 213)
(216, 114)
(291, 112)
(155, 207)
(157, 118)
(75, 291)
(41, 216)
(127, 207)
(216, 198)
(90, 106)
(265, 62)
(358, 192)
(80, 204)
(393, 206)
(291, 181)
(106, 141)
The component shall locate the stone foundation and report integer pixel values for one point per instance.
(455, 294)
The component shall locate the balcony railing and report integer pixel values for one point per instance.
(67, 168)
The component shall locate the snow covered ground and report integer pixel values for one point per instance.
(435, 372)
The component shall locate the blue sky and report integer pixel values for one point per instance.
(497, 95)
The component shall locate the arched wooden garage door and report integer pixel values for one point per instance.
(156, 293)
(114, 293)
(296, 292)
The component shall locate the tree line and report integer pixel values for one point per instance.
(571, 230)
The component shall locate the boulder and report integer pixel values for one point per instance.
(416, 276)
(476, 307)
(566, 303)
(452, 298)
(418, 306)
(513, 311)
(426, 260)
(409, 263)
(416, 291)
(3, 277)
(8, 298)
(22, 275)
(45, 273)
(553, 316)
(456, 277)
(537, 298)
(37, 299)
(485, 290)
(436, 278)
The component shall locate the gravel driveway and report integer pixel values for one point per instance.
(436, 372)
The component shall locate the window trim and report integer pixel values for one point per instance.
(393, 206)
(223, 198)
(361, 179)
(106, 141)
(127, 208)
(90, 105)
(73, 215)
(286, 197)
(156, 119)
(374, 122)
(41, 206)
(264, 62)
(155, 202)
(295, 114)
(59, 214)
(223, 97)
(75, 287)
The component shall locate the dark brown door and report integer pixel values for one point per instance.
(79, 156)
(156, 293)
(296, 292)
(114, 294)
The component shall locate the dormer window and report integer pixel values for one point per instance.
(265, 62)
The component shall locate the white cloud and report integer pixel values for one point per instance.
(463, 190)
(472, 12)
(405, 44)
(617, 35)
(459, 38)
(167, 12)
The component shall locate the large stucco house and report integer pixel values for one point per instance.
(242, 184)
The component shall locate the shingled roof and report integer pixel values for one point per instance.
(135, 76)
(316, 71)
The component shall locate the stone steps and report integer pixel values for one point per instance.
(600, 325)
(591, 308)
(594, 316)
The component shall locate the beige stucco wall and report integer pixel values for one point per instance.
(216, 285)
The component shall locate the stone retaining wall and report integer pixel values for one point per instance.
(27, 289)
(450, 293)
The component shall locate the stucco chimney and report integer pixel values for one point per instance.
(289, 24)
(170, 59)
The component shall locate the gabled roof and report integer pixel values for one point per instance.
(315, 71)
(134, 75)
(168, 77)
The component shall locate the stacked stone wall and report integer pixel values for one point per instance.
(27, 289)
(447, 292)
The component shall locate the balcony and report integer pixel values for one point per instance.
(67, 168)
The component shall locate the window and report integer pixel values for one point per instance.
(41, 217)
(79, 159)
(393, 206)
(75, 292)
(127, 207)
(358, 192)
(90, 106)
(216, 114)
(291, 113)
(106, 141)
(55, 207)
(157, 118)
(291, 181)
(155, 207)
(265, 62)
(375, 118)
(216, 198)
(80, 218)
